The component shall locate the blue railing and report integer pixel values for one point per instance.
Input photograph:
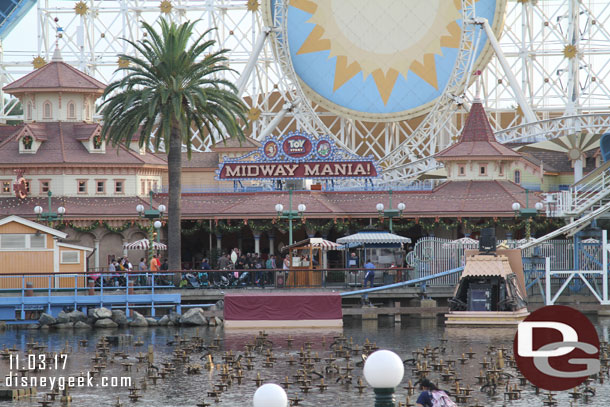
(52, 293)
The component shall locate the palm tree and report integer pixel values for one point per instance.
(168, 92)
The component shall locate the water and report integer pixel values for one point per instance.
(182, 389)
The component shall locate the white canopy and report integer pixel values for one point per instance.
(373, 237)
(315, 242)
(143, 244)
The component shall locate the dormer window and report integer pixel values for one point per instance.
(27, 142)
(461, 170)
(97, 142)
(483, 170)
(47, 111)
(517, 177)
(28, 111)
(71, 110)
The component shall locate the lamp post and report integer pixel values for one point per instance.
(270, 395)
(49, 216)
(290, 214)
(154, 216)
(390, 212)
(527, 213)
(383, 370)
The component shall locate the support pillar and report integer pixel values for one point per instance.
(96, 255)
(124, 249)
(240, 243)
(219, 242)
(257, 242)
(271, 243)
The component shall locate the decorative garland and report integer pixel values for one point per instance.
(27, 142)
(97, 141)
(95, 224)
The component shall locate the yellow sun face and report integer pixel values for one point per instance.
(357, 32)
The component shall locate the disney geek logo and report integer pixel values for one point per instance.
(557, 348)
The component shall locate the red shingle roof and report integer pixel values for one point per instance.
(63, 145)
(451, 199)
(477, 139)
(56, 76)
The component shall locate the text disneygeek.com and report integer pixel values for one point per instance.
(61, 382)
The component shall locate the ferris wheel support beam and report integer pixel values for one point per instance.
(258, 47)
(288, 107)
(528, 113)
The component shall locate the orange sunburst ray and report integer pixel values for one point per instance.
(306, 5)
(385, 83)
(344, 72)
(427, 70)
(314, 42)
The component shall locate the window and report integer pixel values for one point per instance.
(517, 177)
(143, 187)
(71, 110)
(6, 187)
(118, 186)
(45, 185)
(483, 170)
(28, 111)
(501, 169)
(46, 110)
(82, 186)
(155, 185)
(38, 241)
(27, 186)
(14, 241)
(461, 170)
(100, 186)
(70, 257)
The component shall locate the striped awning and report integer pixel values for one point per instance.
(373, 237)
(142, 244)
(315, 242)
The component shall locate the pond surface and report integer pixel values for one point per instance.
(182, 389)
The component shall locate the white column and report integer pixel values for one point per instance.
(325, 259)
(124, 249)
(55, 256)
(257, 242)
(219, 242)
(96, 255)
(271, 244)
(547, 281)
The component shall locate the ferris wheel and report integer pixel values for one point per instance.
(389, 79)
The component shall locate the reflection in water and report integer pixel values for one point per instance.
(187, 390)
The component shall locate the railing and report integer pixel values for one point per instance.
(589, 194)
(111, 283)
(434, 255)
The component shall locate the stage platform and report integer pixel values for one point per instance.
(283, 310)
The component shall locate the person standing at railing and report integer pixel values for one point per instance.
(370, 273)
(142, 267)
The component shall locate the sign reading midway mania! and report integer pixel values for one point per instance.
(297, 156)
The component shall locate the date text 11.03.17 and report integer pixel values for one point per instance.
(38, 362)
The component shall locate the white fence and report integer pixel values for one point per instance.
(434, 255)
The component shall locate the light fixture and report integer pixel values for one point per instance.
(270, 395)
(302, 208)
(401, 207)
(162, 208)
(383, 370)
(38, 210)
(539, 206)
(157, 224)
(516, 206)
(140, 208)
(61, 210)
(279, 208)
(380, 207)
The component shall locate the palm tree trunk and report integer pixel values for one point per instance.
(174, 166)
